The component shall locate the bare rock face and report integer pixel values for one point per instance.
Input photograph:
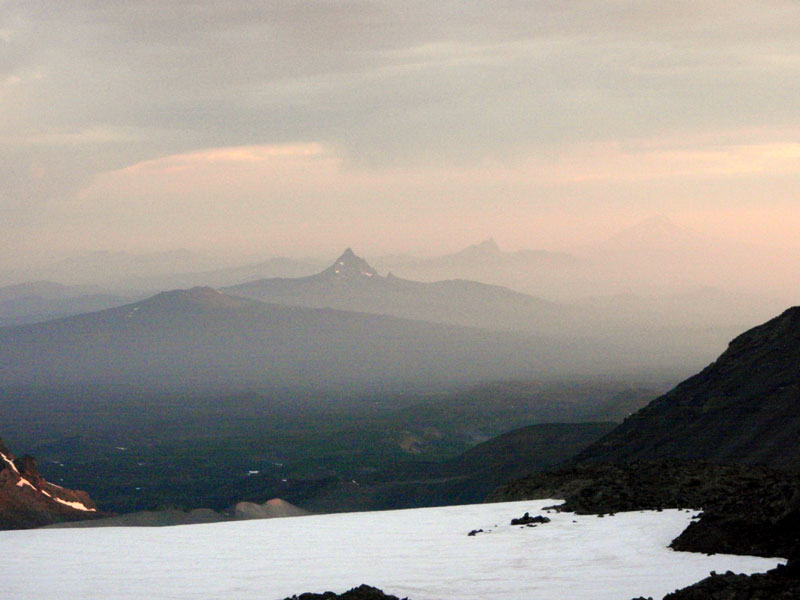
(27, 500)
(740, 409)
(362, 592)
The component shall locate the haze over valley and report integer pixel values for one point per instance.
(267, 266)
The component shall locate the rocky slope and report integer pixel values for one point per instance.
(27, 500)
(362, 592)
(746, 510)
(743, 408)
(708, 444)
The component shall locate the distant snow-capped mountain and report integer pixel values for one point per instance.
(351, 283)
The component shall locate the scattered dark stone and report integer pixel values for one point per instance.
(527, 519)
(362, 592)
(781, 583)
(475, 532)
(745, 509)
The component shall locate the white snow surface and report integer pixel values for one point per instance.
(75, 505)
(424, 554)
(10, 463)
(22, 481)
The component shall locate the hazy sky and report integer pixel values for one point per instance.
(282, 127)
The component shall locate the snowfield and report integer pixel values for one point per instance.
(424, 554)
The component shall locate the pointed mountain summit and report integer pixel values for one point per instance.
(485, 248)
(349, 266)
(351, 283)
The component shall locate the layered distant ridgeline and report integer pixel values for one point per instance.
(743, 408)
(27, 500)
(352, 284)
(202, 337)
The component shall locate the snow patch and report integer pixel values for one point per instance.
(424, 554)
(75, 505)
(23, 482)
(10, 462)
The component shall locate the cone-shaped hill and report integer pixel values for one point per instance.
(200, 337)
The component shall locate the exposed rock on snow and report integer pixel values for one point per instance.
(27, 500)
(362, 592)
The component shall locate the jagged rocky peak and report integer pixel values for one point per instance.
(27, 500)
(349, 265)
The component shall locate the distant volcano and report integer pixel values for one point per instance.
(348, 265)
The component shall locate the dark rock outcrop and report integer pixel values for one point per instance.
(743, 408)
(362, 592)
(527, 519)
(782, 583)
(27, 500)
(746, 510)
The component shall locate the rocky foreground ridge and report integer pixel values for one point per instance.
(726, 441)
(362, 592)
(27, 500)
(743, 408)
(746, 510)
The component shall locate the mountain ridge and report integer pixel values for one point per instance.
(740, 408)
(198, 336)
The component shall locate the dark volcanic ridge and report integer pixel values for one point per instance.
(746, 510)
(362, 592)
(27, 500)
(743, 408)
(707, 444)
(781, 583)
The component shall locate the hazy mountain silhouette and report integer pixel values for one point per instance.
(274, 267)
(522, 270)
(350, 283)
(41, 300)
(201, 336)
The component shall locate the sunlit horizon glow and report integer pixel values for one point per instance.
(303, 128)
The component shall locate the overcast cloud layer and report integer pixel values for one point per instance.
(278, 127)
